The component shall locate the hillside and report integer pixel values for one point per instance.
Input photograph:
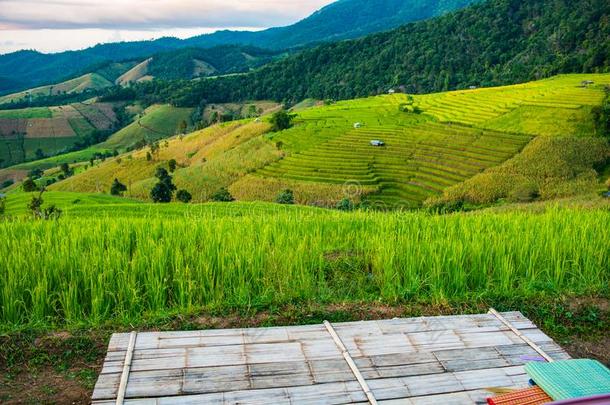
(90, 81)
(156, 122)
(136, 74)
(432, 142)
(34, 133)
(495, 43)
(343, 19)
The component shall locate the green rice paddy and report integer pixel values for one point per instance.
(452, 137)
(124, 262)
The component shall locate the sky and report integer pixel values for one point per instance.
(58, 25)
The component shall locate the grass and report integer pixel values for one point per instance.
(36, 112)
(157, 122)
(17, 202)
(93, 269)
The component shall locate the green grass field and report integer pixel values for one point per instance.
(35, 112)
(110, 261)
(157, 122)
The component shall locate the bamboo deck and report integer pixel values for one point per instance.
(434, 360)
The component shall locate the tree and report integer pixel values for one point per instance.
(163, 191)
(222, 195)
(285, 197)
(117, 188)
(35, 206)
(172, 164)
(39, 154)
(66, 170)
(184, 196)
(183, 127)
(35, 174)
(29, 185)
(154, 150)
(281, 120)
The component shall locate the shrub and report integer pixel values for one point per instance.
(35, 174)
(7, 183)
(281, 120)
(172, 164)
(29, 185)
(345, 205)
(2, 205)
(117, 188)
(66, 170)
(285, 197)
(222, 195)
(184, 196)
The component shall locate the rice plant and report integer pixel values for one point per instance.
(87, 271)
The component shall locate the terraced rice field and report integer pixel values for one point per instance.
(52, 129)
(457, 135)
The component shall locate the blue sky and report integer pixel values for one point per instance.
(56, 25)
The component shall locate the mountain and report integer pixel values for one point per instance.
(344, 19)
(190, 63)
(340, 20)
(494, 43)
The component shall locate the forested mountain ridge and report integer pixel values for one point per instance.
(340, 20)
(494, 43)
(344, 19)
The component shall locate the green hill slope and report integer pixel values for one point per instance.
(157, 122)
(90, 81)
(432, 142)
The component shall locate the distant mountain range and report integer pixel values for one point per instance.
(344, 19)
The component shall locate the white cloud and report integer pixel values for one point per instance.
(153, 14)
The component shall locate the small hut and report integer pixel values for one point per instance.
(377, 143)
(357, 125)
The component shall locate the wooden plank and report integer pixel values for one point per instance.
(328, 394)
(126, 369)
(350, 362)
(525, 338)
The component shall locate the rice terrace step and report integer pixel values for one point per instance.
(428, 360)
